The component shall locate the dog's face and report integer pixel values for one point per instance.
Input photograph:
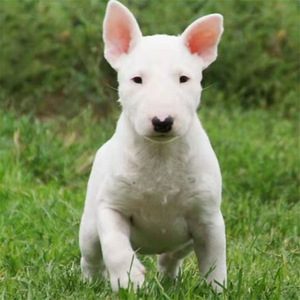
(159, 76)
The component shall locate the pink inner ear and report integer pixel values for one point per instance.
(202, 37)
(201, 41)
(119, 36)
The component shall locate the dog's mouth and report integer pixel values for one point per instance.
(161, 138)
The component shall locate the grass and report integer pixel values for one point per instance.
(44, 168)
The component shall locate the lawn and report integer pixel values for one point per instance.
(44, 168)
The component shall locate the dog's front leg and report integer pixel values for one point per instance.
(210, 248)
(120, 260)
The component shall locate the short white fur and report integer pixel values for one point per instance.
(152, 192)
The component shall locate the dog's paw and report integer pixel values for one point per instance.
(124, 278)
(91, 272)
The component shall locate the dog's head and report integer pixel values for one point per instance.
(159, 76)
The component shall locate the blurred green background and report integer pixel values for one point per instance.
(52, 53)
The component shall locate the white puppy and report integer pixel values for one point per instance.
(155, 186)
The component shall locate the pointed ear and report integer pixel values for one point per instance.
(120, 32)
(202, 37)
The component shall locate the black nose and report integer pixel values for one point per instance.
(162, 126)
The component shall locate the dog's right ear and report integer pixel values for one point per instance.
(202, 37)
(121, 32)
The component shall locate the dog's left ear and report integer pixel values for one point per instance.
(202, 37)
(121, 32)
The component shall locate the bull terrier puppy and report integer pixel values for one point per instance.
(155, 186)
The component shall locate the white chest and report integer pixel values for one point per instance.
(156, 198)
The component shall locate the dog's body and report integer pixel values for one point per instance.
(155, 187)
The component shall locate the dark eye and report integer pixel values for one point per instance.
(183, 79)
(137, 79)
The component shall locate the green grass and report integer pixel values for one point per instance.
(44, 168)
